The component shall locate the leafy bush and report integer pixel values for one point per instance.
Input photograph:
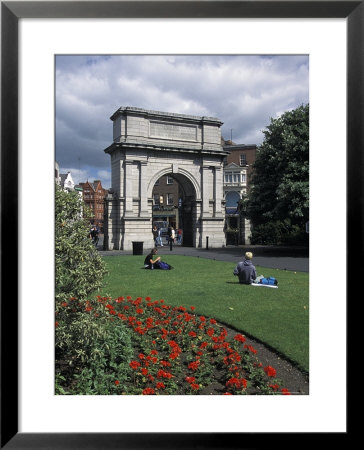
(267, 234)
(92, 349)
(278, 233)
(79, 269)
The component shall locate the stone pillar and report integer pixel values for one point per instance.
(128, 188)
(197, 225)
(205, 190)
(143, 206)
(247, 231)
(218, 194)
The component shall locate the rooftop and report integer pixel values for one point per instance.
(161, 114)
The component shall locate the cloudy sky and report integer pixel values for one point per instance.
(244, 92)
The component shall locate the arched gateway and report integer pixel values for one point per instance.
(149, 144)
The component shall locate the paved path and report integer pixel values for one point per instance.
(285, 258)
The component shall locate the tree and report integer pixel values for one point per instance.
(79, 268)
(278, 203)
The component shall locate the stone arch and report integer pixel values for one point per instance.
(187, 211)
(149, 144)
(180, 176)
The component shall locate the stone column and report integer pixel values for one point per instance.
(143, 206)
(205, 190)
(218, 192)
(128, 188)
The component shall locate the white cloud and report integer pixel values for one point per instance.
(244, 92)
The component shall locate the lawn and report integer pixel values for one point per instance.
(277, 317)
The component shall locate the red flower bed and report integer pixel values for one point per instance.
(179, 352)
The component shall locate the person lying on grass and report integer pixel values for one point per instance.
(154, 262)
(245, 270)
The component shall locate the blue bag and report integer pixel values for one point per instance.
(270, 280)
(164, 266)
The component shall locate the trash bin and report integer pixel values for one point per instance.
(137, 248)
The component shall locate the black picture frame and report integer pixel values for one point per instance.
(11, 12)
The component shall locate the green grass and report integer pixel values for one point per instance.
(277, 317)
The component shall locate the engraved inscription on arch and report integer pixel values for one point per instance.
(173, 131)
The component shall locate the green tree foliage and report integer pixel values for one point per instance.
(278, 204)
(79, 269)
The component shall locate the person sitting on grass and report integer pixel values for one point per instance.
(154, 262)
(245, 270)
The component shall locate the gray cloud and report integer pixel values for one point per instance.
(242, 91)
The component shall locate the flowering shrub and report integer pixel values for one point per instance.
(177, 352)
(79, 269)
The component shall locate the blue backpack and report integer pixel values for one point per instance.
(270, 280)
(164, 266)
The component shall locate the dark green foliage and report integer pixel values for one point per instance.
(78, 267)
(279, 232)
(280, 181)
(92, 348)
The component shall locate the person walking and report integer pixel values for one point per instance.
(159, 239)
(179, 236)
(173, 234)
(169, 233)
(245, 270)
(155, 235)
(95, 236)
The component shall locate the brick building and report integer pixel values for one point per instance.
(93, 196)
(243, 155)
(237, 173)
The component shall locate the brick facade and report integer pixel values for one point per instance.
(94, 195)
(237, 175)
(237, 154)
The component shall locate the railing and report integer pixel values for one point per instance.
(236, 184)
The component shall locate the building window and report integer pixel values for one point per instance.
(228, 177)
(232, 177)
(169, 199)
(232, 200)
(161, 201)
(243, 160)
(156, 199)
(169, 180)
(243, 177)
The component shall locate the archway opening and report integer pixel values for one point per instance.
(174, 201)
